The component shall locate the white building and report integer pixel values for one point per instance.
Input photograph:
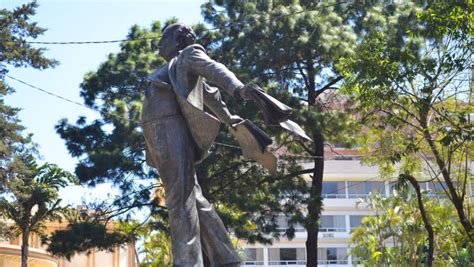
(345, 183)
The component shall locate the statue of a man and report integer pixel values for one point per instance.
(172, 114)
(178, 134)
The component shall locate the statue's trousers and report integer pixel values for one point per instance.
(194, 222)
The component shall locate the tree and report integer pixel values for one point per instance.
(31, 197)
(24, 186)
(15, 28)
(157, 244)
(424, 216)
(291, 48)
(396, 228)
(410, 79)
(110, 149)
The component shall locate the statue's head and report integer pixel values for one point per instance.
(175, 38)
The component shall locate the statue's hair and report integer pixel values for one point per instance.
(183, 30)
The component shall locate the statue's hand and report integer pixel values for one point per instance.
(245, 92)
(234, 119)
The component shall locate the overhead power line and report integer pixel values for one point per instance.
(121, 117)
(158, 36)
(92, 42)
(91, 108)
(105, 113)
(48, 92)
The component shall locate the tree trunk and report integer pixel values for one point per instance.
(426, 221)
(315, 203)
(25, 248)
(457, 201)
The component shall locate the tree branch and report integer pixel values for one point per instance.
(326, 87)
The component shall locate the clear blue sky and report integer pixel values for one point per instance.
(79, 20)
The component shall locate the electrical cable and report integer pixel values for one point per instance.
(88, 107)
(216, 143)
(158, 36)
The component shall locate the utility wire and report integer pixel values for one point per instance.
(216, 143)
(69, 100)
(92, 42)
(48, 92)
(90, 108)
(158, 36)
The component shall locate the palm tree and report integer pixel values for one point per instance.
(30, 197)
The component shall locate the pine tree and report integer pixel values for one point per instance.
(24, 186)
(291, 49)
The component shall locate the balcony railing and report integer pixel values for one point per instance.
(332, 262)
(297, 229)
(357, 195)
(332, 229)
(334, 195)
(348, 196)
(303, 262)
(253, 263)
(288, 262)
(321, 229)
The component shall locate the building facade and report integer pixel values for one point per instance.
(346, 182)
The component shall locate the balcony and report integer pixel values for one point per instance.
(287, 263)
(295, 263)
(10, 255)
(253, 263)
(333, 263)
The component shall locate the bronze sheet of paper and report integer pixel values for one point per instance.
(253, 144)
(294, 128)
(273, 110)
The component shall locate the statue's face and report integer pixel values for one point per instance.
(168, 47)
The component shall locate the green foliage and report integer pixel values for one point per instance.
(28, 192)
(157, 243)
(157, 250)
(410, 80)
(111, 148)
(290, 48)
(83, 237)
(15, 28)
(30, 198)
(31, 194)
(397, 229)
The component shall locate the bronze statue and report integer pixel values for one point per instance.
(178, 134)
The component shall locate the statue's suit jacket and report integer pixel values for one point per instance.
(178, 133)
(186, 75)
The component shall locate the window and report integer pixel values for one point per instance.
(363, 189)
(287, 254)
(376, 187)
(392, 186)
(283, 225)
(333, 223)
(332, 255)
(355, 220)
(334, 190)
(254, 256)
(436, 188)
